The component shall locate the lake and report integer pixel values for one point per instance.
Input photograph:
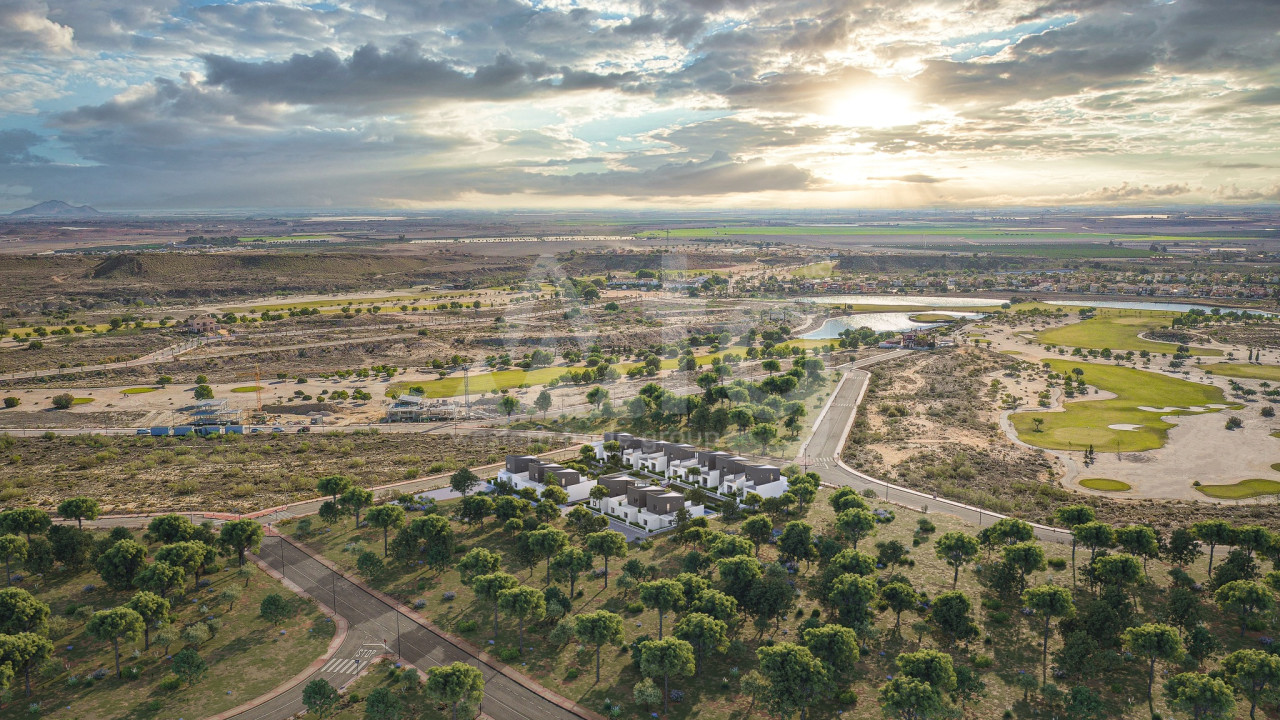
(924, 301)
(878, 321)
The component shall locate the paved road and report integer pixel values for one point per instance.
(373, 623)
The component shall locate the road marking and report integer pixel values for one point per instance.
(341, 666)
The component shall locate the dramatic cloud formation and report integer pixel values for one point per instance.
(560, 103)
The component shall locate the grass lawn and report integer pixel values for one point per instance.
(1117, 330)
(1244, 489)
(82, 401)
(138, 390)
(1085, 422)
(247, 656)
(246, 389)
(1010, 642)
(1241, 370)
(1105, 484)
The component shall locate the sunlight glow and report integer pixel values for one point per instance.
(873, 106)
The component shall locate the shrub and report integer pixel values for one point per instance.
(635, 607)
(869, 494)
(1267, 411)
(1057, 563)
(982, 662)
(509, 654)
(848, 697)
(63, 401)
(12, 402)
(572, 674)
(926, 525)
(1234, 423)
(466, 626)
(450, 596)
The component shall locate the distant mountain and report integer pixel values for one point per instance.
(56, 209)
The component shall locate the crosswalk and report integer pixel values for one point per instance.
(349, 666)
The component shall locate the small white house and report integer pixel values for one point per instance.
(527, 471)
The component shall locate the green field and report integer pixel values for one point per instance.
(1117, 330)
(81, 401)
(1084, 423)
(1241, 370)
(1105, 484)
(932, 318)
(959, 231)
(138, 390)
(247, 389)
(285, 238)
(1244, 489)
(1048, 250)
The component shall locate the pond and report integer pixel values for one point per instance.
(880, 322)
(1133, 305)
(924, 301)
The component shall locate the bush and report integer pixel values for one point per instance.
(466, 626)
(848, 697)
(12, 402)
(171, 683)
(572, 674)
(63, 401)
(635, 607)
(1057, 563)
(1234, 423)
(869, 494)
(926, 525)
(982, 662)
(509, 654)
(1267, 411)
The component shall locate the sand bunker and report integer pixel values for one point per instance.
(1124, 426)
(1193, 408)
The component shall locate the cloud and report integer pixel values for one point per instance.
(915, 178)
(25, 27)
(1234, 193)
(1126, 192)
(15, 148)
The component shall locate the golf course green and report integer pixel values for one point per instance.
(1086, 422)
(1117, 330)
(1241, 370)
(1244, 489)
(1105, 484)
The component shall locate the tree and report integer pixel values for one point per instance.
(570, 563)
(850, 596)
(190, 555)
(1071, 516)
(796, 541)
(846, 498)
(320, 697)
(663, 596)
(855, 524)
(547, 542)
(1139, 541)
(607, 544)
(1153, 641)
(1183, 547)
(596, 396)
(160, 577)
(240, 536)
(382, 704)
(555, 495)
(203, 392)
(20, 652)
(950, 614)
(543, 402)
(386, 517)
(229, 595)
(758, 529)
(911, 699)
(478, 561)
(171, 528)
(369, 564)
(152, 608)
(356, 499)
(1204, 697)
(664, 658)
(455, 684)
(834, 645)
(28, 521)
(275, 609)
(62, 401)
(333, 486)
(900, 597)
(956, 549)
(704, 633)
(598, 629)
(79, 509)
(115, 625)
(72, 546)
(12, 547)
(489, 588)
(121, 563)
(464, 481)
(524, 603)
(21, 612)
(1026, 558)
(1243, 598)
(930, 666)
(765, 434)
(646, 693)
(189, 666)
(1050, 601)
(509, 404)
(796, 678)
(1006, 531)
(1214, 533)
(329, 512)
(1252, 673)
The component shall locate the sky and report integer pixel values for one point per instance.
(559, 104)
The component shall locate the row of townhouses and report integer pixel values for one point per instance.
(720, 472)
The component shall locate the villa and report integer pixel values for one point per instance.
(641, 503)
(527, 471)
(719, 472)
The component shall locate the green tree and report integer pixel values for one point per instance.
(62, 401)
(1026, 558)
(931, 666)
(204, 392)
(275, 609)
(835, 645)
(951, 614)
(547, 542)
(474, 509)
(369, 564)
(12, 547)
(189, 666)
(78, 509)
(333, 486)
(796, 541)
(1243, 598)
(509, 404)
(607, 544)
(478, 561)
(765, 434)
(241, 535)
(663, 596)
(121, 563)
(171, 528)
(1071, 516)
(190, 555)
(455, 684)
(382, 704)
(28, 521)
(855, 524)
(956, 549)
(850, 596)
(115, 625)
(160, 578)
(899, 597)
(911, 699)
(523, 603)
(1213, 533)
(21, 612)
(598, 629)
(664, 658)
(19, 652)
(330, 513)
(758, 529)
(797, 679)
(1203, 697)
(1154, 642)
(152, 608)
(320, 698)
(1253, 673)
(356, 499)
(1139, 541)
(386, 517)
(489, 588)
(464, 481)
(1049, 601)
(543, 402)
(229, 595)
(704, 633)
(570, 563)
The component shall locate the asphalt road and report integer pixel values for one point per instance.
(373, 631)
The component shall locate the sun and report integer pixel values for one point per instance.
(873, 106)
